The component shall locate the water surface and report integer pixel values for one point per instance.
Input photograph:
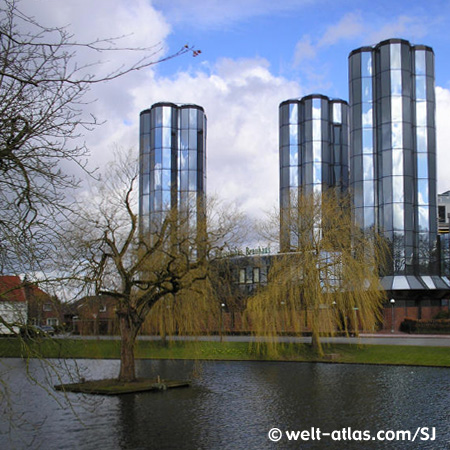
(231, 405)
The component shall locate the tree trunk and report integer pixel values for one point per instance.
(315, 343)
(128, 334)
(315, 336)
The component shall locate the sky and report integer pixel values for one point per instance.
(254, 55)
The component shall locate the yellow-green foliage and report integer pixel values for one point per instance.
(329, 280)
(191, 312)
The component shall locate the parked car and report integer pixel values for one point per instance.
(32, 331)
(47, 329)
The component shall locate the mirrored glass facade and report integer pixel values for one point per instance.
(172, 163)
(314, 151)
(393, 149)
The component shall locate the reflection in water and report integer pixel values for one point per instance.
(233, 405)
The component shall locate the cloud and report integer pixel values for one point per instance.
(141, 26)
(349, 27)
(241, 99)
(307, 55)
(319, 58)
(412, 28)
(240, 96)
(357, 29)
(304, 50)
(139, 23)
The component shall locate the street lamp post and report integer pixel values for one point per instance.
(95, 324)
(222, 305)
(392, 301)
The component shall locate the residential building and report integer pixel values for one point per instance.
(314, 149)
(13, 305)
(172, 165)
(43, 309)
(25, 303)
(92, 315)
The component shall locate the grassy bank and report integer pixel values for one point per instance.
(240, 351)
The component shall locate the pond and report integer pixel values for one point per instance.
(231, 405)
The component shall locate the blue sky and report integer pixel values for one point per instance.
(308, 41)
(255, 54)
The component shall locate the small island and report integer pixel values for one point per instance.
(116, 387)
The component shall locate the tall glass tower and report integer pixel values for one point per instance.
(172, 164)
(314, 149)
(393, 154)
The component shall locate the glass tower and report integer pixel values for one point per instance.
(314, 149)
(172, 164)
(393, 152)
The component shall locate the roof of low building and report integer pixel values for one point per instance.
(11, 289)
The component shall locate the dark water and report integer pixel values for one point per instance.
(230, 406)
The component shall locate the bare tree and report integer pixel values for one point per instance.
(146, 272)
(329, 281)
(42, 116)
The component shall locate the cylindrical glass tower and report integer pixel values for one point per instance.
(314, 149)
(393, 149)
(172, 164)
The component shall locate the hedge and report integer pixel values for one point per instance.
(422, 326)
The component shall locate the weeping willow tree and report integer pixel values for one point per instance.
(160, 273)
(328, 281)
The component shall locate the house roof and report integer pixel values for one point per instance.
(34, 292)
(94, 300)
(11, 289)
(91, 303)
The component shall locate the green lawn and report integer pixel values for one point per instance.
(343, 353)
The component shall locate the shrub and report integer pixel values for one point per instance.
(437, 326)
(408, 325)
(442, 315)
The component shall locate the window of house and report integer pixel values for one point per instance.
(47, 307)
(52, 322)
(102, 309)
(442, 217)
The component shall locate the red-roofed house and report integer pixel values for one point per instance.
(13, 305)
(94, 315)
(43, 309)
